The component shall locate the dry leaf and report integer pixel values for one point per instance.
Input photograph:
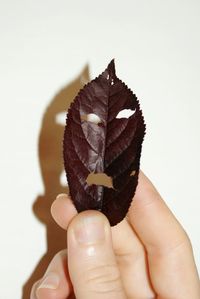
(98, 139)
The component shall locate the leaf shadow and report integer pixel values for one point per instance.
(51, 164)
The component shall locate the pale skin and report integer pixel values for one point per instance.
(148, 255)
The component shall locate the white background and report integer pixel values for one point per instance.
(44, 46)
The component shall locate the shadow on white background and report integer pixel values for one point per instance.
(51, 164)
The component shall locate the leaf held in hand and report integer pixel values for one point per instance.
(96, 141)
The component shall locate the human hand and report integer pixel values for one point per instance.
(147, 255)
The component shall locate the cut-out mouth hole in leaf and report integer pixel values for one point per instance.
(103, 137)
(91, 117)
(101, 179)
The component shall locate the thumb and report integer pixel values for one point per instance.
(92, 264)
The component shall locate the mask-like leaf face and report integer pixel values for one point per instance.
(100, 142)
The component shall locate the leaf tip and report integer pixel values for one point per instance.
(111, 68)
(109, 72)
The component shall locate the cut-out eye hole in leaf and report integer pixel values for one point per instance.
(125, 113)
(109, 145)
(91, 117)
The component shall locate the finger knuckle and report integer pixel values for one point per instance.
(103, 278)
(186, 236)
(186, 239)
(182, 240)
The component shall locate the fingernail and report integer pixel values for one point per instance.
(50, 281)
(91, 229)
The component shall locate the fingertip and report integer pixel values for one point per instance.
(33, 290)
(55, 282)
(87, 228)
(63, 210)
(46, 293)
(86, 216)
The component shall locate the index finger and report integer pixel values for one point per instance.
(171, 263)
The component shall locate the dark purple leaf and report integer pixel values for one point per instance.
(99, 142)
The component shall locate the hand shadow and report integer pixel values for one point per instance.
(51, 164)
